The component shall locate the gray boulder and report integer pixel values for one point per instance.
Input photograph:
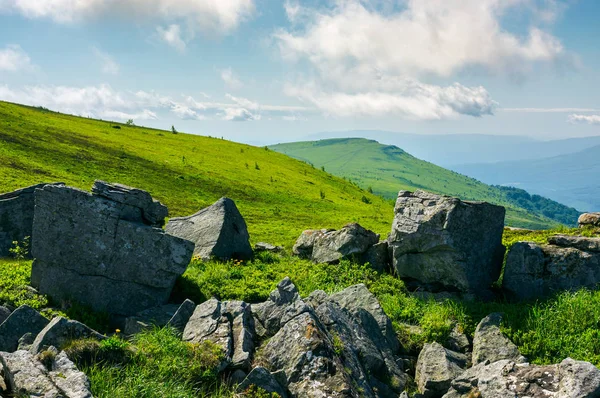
(218, 231)
(16, 216)
(303, 247)
(182, 315)
(351, 240)
(22, 321)
(4, 313)
(102, 253)
(436, 368)
(589, 220)
(490, 344)
(59, 332)
(505, 378)
(443, 243)
(536, 271)
(262, 378)
(378, 257)
(269, 316)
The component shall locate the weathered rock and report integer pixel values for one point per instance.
(262, 378)
(23, 320)
(351, 240)
(267, 247)
(59, 332)
(269, 315)
(378, 257)
(306, 242)
(16, 216)
(157, 316)
(436, 368)
(505, 378)
(490, 344)
(182, 315)
(26, 341)
(4, 313)
(99, 252)
(151, 211)
(458, 341)
(536, 271)
(443, 243)
(589, 219)
(242, 333)
(25, 375)
(218, 231)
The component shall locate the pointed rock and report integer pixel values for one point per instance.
(490, 344)
(59, 332)
(436, 368)
(22, 321)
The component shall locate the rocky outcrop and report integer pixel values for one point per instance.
(490, 344)
(59, 332)
(506, 378)
(16, 216)
(22, 321)
(219, 231)
(57, 377)
(436, 368)
(589, 220)
(566, 263)
(102, 252)
(442, 243)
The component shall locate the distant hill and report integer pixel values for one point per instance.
(278, 196)
(387, 169)
(572, 179)
(448, 150)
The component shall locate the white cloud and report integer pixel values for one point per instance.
(109, 65)
(586, 119)
(549, 110)
(106, 103)
(231, 80)
(14, 59)
(172, 36)
(209, 15)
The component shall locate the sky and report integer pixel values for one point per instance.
(267, 71)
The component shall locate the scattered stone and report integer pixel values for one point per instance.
(16, 216)
(59, 332)
(262, 378)
(22, 321)
(589, 219)
(157, 316)
(505, 378)
(351, 240)
(306, 242)
(536, 271)
(442, 243)
(378, 257)
(490, 344)
(218, 231)
(101, 252)
(267, 247)
(436, 368)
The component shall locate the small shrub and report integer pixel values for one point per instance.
(20, 251)
(47, 357)
(173, 130)
(129, 122)
(366, 200)
(257, 392)
(370, 190)
(322, 194)
(256, 166)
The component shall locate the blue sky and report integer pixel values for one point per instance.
(266, 71)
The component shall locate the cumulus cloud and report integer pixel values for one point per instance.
(104, 102)
(208, 15)
(549, 110)
(172, 36)
(109, 65)
(584, 119)
(14, 59)
(231, 80)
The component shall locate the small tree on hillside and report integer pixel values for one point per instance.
(173, 130)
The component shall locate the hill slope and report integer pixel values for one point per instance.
(388, 168)
(570, 179)
(279, 196)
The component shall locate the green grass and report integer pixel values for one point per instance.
(279, 199)
(387, 169)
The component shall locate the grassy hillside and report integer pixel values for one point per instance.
(386, 169)
(278, 196)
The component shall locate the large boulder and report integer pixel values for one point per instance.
(505, 378)
(351, 240)
(442, 243)
(589, 220)
(436, 368)
(16, 217)
(566, 263)
(490, 344)
(102, 252)
(303, 247)
(20, 322)
(218, 231)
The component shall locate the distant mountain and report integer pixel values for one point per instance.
(451, 149)
(572, 179)
(388, 169)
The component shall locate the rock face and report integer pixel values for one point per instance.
(505, 378)
(25, 375)
(16, 216)
(443, 243)
(102, 252)
(436, 368)
(567, 263)
(218, 231)
(589, 220)
(22, 321)
(490, 344)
